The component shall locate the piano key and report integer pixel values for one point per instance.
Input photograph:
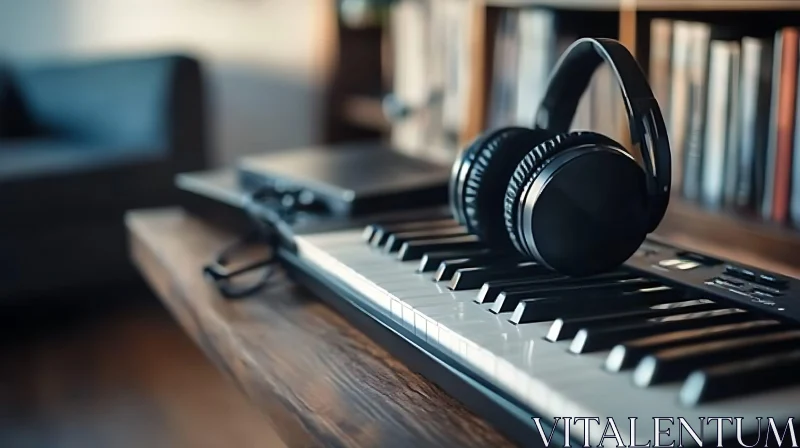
(431, 260)
(474, 278)
(583, 304)
(507, 301)
(379, 237)
(433, 299)
(345, 239)
(491, 289)
(753, 375)
(448, 268)
(414, 250)
(626, 355)
(395, 240)
(515, 359)
(407, 226)
(594, 339)
(433, 217)
(369, 230)
(674, 363)
(567, 328)
(544, 376)
(382, 232)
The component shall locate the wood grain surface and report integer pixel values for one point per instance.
(116, 372)
(320, 380)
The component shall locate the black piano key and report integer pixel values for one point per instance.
(396, 240)
(491, 289)
(563, 328)
(382, 231)
(625, 356)
(758, 374)
(675, 363)
(584, 304)
(474, 278)
(431, 260)
(414, 250)
(369, 230)
(507, 301)
(594, 339)
(448, 268)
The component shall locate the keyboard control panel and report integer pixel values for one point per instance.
(748, 286)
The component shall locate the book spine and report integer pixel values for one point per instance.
(785, 131)
(762, 124)
(455, 19)
(697, 94)
(503, 87)
(731, 179)
(772, 134)
(661, 62)
(715, 135)
(748, 98)
(679, 97)
(794, 207)
(537, 34)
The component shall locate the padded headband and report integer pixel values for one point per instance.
(568, 81)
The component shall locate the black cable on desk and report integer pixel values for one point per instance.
(271, 211)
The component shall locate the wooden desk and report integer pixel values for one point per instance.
(321, 382)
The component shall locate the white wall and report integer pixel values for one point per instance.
(263, 56)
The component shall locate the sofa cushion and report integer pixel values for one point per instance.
(35, 158)
(43, 181)
(111, 101)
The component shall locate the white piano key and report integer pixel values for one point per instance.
(335, 239)
(436, 299)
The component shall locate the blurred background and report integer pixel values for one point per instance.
(265, 60)
(102, 102)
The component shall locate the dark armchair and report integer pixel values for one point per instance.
(80, 143)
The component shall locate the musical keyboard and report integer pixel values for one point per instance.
(672, 333)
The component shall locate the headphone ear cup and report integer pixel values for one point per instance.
(465, 162)
(485, 178)
(455, 184)
(530, 166)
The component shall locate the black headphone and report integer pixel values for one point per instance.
(576, 202)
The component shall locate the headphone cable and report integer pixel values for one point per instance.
(269, 228)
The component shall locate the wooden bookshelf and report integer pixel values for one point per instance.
(356, 57)
(724, 233)
(727, 232)
(356, 105)
(365, 111)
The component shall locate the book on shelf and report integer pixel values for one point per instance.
(730, 99)
(718, 149)
(754, 99)
(527, 45)
(503, 90)
(432, 66)
(433, 59)
(781, 146)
